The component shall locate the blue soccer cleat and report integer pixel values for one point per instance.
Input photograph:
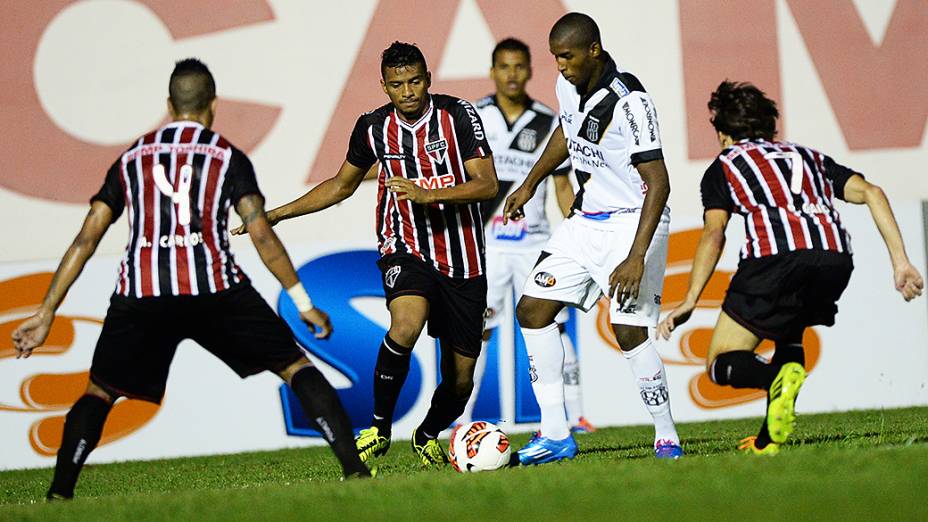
(667, 449)
(542, 450)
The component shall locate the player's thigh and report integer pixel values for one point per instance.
(408, 315)
(560, 274)
(135, 349)
(643, 311)
(729, 336)
(243, 331)
(459, 322)
(826, 285)
(500, 280)
(410, 289)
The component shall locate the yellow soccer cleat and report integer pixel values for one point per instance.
(781, 414)
(748, 446)
(371, 443)
(431, 454)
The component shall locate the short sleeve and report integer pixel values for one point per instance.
(241, 175)
(638, 119)
(716, 193)
(838, 175)
(471, 136)
(360, 153)
(564, 168)
(112, 192)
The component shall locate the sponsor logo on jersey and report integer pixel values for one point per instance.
(528, 140)
(436, 150)
(618, 87)
(633, 125)
(389, 278)
(388, 245)
(545, 280)
(474, 119)
(435, 182)
(400, 157)
(567, 117)
(652, 127)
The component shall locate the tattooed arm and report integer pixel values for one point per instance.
(33, 331)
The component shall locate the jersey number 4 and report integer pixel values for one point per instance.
(181, 197)
(796, 167)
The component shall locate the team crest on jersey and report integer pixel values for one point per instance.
(592, 129)
(528, 140)
(436, 150)
(389, 278)
(545, 280)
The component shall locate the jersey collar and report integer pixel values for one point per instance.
(609, 72)
(422, 119)
(529, 103)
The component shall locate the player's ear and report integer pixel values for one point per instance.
(383, 85)
(428, 79)
(529, 77)
(596, 49)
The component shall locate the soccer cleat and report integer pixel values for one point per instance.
(542, 450)
(781, 414)
(749, 445)
(667, 449)
(371, 444)
(582, 426)
(431, 454)
(55, 497)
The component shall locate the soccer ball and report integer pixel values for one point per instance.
(478, 446)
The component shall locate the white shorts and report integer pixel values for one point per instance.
(582, 255)
(506, 274)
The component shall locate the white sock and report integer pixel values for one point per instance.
(651, 378)
(546, 360)
(573, 398)
(479, 369)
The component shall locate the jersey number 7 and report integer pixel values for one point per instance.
(796, 166)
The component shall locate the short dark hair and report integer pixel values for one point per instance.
(511, 44)
(401, 54)
(192, 87)
(577, 29)
(741, 110)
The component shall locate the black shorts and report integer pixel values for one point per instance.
(140, 336)
(456, 306)
(777, 297)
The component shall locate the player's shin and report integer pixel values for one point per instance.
(573, 398)
(448, 403)
(321, 405)
(742, 369)
(648, 370)
(546, 359)
(389, 376)
(82, 430)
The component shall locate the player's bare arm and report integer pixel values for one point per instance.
(330, 192)
(481, 186)
(708, 252)
(564, 193)
(906, 278)
(626, 277)
(33, 331)
(554, 155)
(274, 256)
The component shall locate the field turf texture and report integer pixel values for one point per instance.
(855, 465)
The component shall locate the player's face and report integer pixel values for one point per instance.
(575, 63)
(407, 87)
(510, 72)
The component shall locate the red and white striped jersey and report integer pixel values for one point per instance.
(176, 185)
(431, 152)
(784, 191)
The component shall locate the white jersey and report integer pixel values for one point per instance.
(609, 131)
(516, 147)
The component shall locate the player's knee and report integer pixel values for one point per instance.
(100, 393)
(530, 315)
(405, 333)
(630, 337)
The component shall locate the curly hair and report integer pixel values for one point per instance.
(741, 110)
(401, 54)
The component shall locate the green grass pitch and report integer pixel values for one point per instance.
(851, 466)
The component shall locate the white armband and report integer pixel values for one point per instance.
(300, 298)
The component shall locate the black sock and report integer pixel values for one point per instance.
(389, 376)
(785, 353)
(82, 429)
(742, 369)
(447, 405)
(322, 407)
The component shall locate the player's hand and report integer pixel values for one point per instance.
(271, 220)
(675, 318)
(406, 190)
(908, 281)
(626, 278)
(514, 203)
(318, 323)
(31, 333)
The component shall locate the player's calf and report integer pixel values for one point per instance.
(82, 430)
